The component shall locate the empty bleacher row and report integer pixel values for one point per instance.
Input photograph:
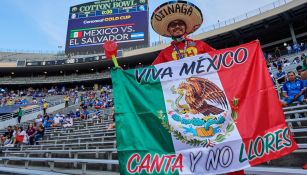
(89, 147)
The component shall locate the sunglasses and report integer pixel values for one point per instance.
(174, 24)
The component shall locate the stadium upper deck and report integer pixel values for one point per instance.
(284, 21)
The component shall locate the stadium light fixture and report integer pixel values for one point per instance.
(61, 72)
(13, 73)
(140, 63)
(92, 69)
(77, 70)
(45, 72)
(109, 68)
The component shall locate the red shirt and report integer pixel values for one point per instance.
(194, 47)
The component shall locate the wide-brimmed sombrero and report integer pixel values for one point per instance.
(174, 10)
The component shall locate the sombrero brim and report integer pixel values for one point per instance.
(176, 10)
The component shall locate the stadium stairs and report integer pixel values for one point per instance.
(90, 148)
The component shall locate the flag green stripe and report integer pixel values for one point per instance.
(72, 35)
(138, 128)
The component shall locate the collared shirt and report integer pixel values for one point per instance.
(194, 47)
(293, 88)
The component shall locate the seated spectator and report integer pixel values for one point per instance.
(48, 121)
(280, 75)
(77, 113)
(6, 138)
(305, 63)
(40, 131)
(31, 131)
(56, 121)
(289, 49)
(38, 119)
(86, 113)
(68, 122)
(293, 90)
(299, 70)
(20, 137)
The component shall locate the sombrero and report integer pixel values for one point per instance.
(174, 10)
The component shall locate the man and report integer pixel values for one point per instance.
(66, 100)
(281, 75)
(45, 107)
(299, 70)
(20, 114)
(293, 89)
(38, 119)
(177, 24)
(6, 138)
(39, 134)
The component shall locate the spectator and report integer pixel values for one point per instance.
(303, 46)
(46, 122)
(57, 121)
(296, 48)
(289, 49)
(299, 70)
(6, 138)
(66, 100)
(20, 114)
(40, 131)
(38, 119)
(20, 136)
(293, 90)
(68, 122)
(281, 75)
(77, 100)
(78, 113)
(304, 57)
(31, 131)
(85, 113)
(45, 107)
(277, 52)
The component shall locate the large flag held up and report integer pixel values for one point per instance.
(207, 114)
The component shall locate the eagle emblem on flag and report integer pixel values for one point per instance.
(198, 114)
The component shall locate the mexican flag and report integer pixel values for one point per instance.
(207, 114)
(76, 34)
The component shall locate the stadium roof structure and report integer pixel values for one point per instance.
(285, 23)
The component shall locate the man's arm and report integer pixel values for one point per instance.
(285, 91)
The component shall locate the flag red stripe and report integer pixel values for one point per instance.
(259, 109)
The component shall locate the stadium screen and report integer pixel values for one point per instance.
(91, 24)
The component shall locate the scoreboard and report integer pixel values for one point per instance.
(91, 24)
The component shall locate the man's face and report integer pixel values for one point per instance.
(291, 76)
(177, 28)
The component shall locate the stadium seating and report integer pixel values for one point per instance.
(75, 146)
(54, 79)
(89, 147)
